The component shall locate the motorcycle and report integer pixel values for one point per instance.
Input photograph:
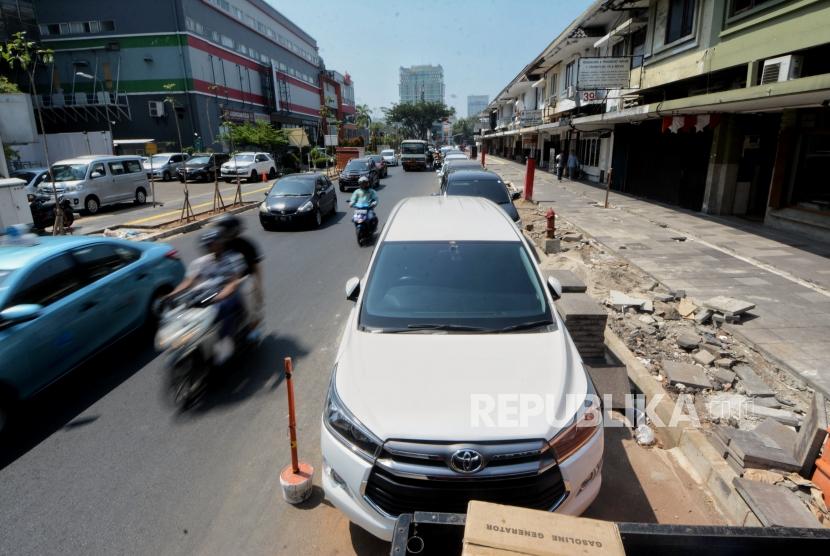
(42, 207)
(365, 222)
(188, 331)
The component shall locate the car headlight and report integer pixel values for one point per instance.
(72, 188)
(307, 206)
(582, 427)
(263, 208)
(345, 426)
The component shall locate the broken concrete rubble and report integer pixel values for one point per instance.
(683, 373)
(686, 308)
(728, 306)
(688, 341)
(751, 382)
(723, 376)
(703, 357)
(621, 301)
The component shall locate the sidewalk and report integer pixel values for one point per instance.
(785, 275)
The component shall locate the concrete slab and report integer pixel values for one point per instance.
(683, 373)
(703, 357)
(781, 415)
(774, 505)
(751, 382)
(811, 436)
(724, 376)
(688, 341)
(611, 381)
(781, 435)
(755, 451)
(729, 306)
(621, 301)
(571, 283)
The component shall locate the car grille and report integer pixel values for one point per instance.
(410, 477)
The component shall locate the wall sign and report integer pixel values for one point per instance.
(603, 73)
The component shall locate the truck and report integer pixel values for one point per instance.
(415, 155)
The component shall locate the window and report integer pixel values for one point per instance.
(64, 29)
(132, 166)
(94, 26)
(227, 41)
(588, 151)
(116, 168)
(98, 167)
(97, 261)
(570, 74)
(50, 281)
(738, 7)
(44, 29)
(108, 25)
(188, 23)
(200, 29)
(638, 47)
(679, 20)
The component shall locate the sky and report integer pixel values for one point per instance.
(481, 44)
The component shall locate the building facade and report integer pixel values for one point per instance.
(198, 63)
(338, 98)
(717, 106)
(422, 83)
(476, 104)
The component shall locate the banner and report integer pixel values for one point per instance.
(603, 73)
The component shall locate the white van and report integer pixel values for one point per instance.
(92, 181)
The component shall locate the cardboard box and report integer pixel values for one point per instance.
(496, 530)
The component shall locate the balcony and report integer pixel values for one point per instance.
(102, 105)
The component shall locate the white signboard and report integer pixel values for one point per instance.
(17, 119)
(603, 73)
(330, 140)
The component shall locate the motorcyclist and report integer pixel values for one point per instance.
(231, 227)
(218, 267)
(365, 197)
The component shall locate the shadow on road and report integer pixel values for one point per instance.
(255, 369)
(58, 405)
(366, 544)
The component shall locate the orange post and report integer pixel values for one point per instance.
(530, 173)
(292, 415)
(264, 177)
(483, 154)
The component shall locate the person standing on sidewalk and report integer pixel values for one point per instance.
(560, 165)
(573, 165)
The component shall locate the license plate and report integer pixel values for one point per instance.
(361, 212)
(283, 218)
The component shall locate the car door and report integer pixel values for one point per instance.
(59, 338)
(262, 164)
(137, 179)
(112, 271)
(331, 194)
(120, 182)
(321, 191)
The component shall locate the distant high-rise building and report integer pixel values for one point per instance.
(476, 103)
(422, 83)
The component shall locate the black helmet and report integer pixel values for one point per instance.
(210, 236)
(230, 225)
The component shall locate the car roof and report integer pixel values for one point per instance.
(91, 157)
(34, 170)
(461, 162)
(14, 256)
(440, 218)
(465, 174)
(303, 175)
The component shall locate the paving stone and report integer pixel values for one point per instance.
(703, 357)
(723, 376)
(571, 283)
(728, 306)
(782, 435)
(621, 301)
(703, 316)
(686, 308)
(752, 383)
(725, 362)
(767, 402)
(611, 381)
(688, 341)
(774, 505)
(811, 436)
(662, 297)
(781, 415)
(683, 373)
(756, 451)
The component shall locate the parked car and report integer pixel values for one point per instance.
(32, 176)
(381, 164)
(249, 165)
(92, 181)
(164, 166)
(62, 299)
(355, 169)
(202, 167)
(452, 314)
(298, 199)
(389, 157)
(451, 158)
(481, 183)
(457, 164)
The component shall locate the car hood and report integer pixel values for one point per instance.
(422, 386)
(197, 166)
(237, 165)
(355, 172)
(285, 203)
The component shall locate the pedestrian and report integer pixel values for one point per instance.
(573, 165)
(560, 165)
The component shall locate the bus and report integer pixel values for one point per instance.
(415, 155)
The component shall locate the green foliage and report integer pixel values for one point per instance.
(10, 153)
(259, 134)
(465, 127)
(363, 115)
(7, 87)
(26, 54)
(417, 118)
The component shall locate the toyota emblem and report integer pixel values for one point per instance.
(466, 461)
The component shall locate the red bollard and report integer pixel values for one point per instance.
(295, 478)
(483, 154)
(529, 174)
(550, 225)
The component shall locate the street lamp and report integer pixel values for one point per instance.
(106, 104)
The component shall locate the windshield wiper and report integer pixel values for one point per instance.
(430, 326)
(526, 325)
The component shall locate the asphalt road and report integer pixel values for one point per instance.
(104, 463)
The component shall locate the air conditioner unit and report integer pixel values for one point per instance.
(782, 68)
(156, 108)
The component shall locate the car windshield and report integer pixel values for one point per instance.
(69, 172)
(160, 159)
(489, 189)
(357, 166)
(244, 158)
(25, 176)
(412, 148)
(292, 188)
(4, 275)
(197, 160)
(387, 153)
(488, 285)
(376, 157)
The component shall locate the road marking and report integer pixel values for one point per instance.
(179, 210)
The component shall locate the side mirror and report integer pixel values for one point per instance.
(95, 175)
(266, 193)
(352, 288)
(555, 287)
(515, 195)
(19, 313)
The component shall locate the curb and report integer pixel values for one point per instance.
(715, 474)
(189, 227)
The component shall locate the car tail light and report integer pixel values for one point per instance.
(172, 254)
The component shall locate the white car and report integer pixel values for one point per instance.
(250, 166)
(446, 159)
(452, 321)
(389, 157)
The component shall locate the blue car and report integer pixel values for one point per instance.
(62, 299)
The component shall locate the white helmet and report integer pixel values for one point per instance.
(363, 180)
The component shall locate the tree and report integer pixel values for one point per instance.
(27, 54)
(363, 115)
(174, 105)
(465, 127)
(417, 117)
(259, 134)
